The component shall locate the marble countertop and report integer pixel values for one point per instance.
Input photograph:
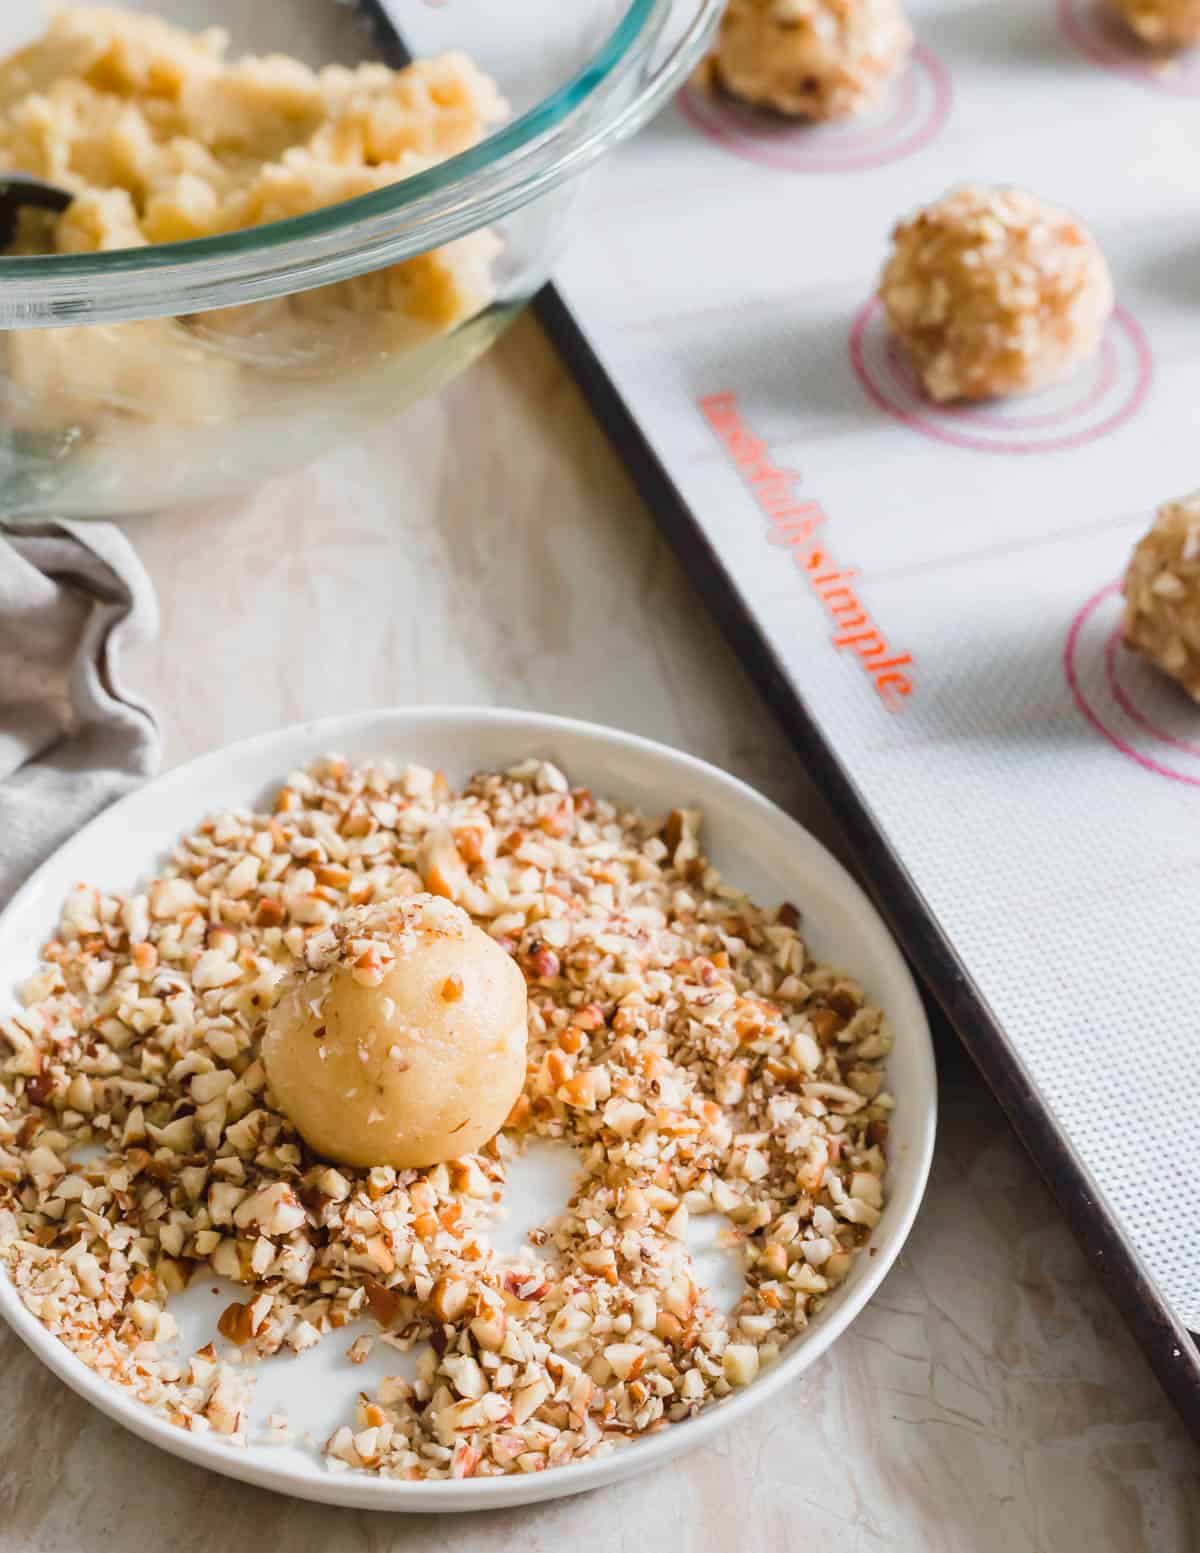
(489, 548)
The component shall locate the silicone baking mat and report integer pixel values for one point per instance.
(928, 596)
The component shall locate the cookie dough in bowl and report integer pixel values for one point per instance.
(649, 1058)
(285, 226)
(163, 138)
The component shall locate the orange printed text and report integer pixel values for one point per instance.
(800, 527)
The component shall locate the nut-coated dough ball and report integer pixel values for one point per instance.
(1162, 593)
(1167, 24)
(994, 291)
(403, 1043)
(813, 59)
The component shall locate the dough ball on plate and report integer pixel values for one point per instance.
(1168, 24)
(813, 59)
(1162, 593)
(404, 1043)
(994, 291)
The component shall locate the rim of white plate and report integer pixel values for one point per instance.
(386, 731)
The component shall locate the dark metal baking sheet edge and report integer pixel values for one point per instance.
(1167, 1345)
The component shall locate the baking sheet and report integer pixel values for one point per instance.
(1041, 787)
(1036, 791)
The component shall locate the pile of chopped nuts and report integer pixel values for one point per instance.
(680, 1038)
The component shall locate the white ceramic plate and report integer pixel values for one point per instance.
(755, 844)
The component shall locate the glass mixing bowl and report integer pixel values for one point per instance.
(136, 378)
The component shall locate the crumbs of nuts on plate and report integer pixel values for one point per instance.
(359, 1350)
(681, 1037)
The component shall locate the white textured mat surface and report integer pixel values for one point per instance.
(1042, 788)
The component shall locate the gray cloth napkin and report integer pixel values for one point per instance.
(72, 738)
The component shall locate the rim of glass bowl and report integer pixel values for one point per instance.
(550, 142)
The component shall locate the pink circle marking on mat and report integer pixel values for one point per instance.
(1121, 696)
(1093, 717)
(1126, 366)
(1102, 39)
(990, 414)
(917, 107)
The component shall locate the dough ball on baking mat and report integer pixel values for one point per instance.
(1166, 24)
(994, 291)
(811, 59)
(1162, 593)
